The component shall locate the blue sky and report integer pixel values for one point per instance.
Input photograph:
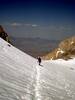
(52, 19)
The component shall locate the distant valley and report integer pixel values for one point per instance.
(34, 46)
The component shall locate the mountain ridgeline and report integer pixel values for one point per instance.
(65, 50)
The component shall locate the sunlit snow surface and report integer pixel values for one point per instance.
(21, 78)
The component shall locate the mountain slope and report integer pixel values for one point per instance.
(16, 73)
(57, 81)
(65, 50)
(21, 78)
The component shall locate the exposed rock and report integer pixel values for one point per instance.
(65, 50)
(4, 35)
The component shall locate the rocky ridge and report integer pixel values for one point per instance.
(65, 50)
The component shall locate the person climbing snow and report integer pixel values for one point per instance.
(39, 60)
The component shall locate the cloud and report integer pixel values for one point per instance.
(21, 24)
(16, 24)
(12, 24)
(34, 25)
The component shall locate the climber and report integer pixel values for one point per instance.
(39, 60)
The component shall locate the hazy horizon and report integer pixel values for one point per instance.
(49, 19)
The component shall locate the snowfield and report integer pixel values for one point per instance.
(21, 78)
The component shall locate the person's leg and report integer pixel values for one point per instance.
(39, 63)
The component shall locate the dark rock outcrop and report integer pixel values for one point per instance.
(4, 35)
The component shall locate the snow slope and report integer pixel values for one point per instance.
(21, 78)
